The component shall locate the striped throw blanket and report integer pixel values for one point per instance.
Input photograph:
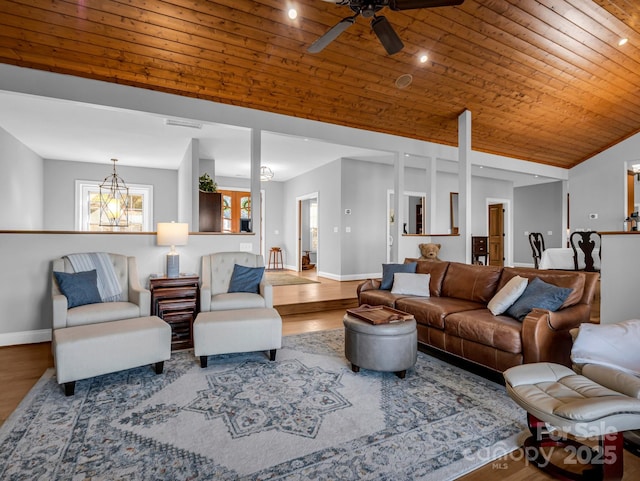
(108, 284)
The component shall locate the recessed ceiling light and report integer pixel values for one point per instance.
(622, 41)
(292, 13)
(423, 58)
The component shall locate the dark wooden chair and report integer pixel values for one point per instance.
(586, 242)
(537, 247)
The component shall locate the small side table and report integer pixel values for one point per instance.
(176, 300)
(479, 248)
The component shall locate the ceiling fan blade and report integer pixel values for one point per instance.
(387, 35)
(331, 35)
(413, 4)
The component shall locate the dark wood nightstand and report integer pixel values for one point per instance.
(479, 248)
(177, 301)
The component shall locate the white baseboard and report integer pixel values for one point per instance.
(25, 337)
(523, 264)
(350, 277)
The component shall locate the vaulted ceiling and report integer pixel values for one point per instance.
(545, 80)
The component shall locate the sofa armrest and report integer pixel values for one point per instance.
(266, 291)
(546, 336)
(368, 285)
(141, 297)
(138, 294)
(205, 296)
(60, 307)
(614, 379)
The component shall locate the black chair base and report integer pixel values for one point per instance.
(604, 463)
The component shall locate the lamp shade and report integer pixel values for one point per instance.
(172, 233)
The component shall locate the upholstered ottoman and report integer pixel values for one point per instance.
(554, 395)
(238, 330)
(391, 347)
(89, 350)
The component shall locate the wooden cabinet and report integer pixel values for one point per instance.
(210, 211)
(479, 248)
(176, 300)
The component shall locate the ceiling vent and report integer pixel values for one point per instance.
(183, 123)
(404, 81)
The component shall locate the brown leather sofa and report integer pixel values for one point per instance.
(455, 318)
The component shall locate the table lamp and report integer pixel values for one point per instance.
(173, 234)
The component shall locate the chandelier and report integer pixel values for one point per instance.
(114, 200)
(266, 174)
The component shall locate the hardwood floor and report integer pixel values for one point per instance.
(21, 366)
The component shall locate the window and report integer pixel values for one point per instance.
(88, 208)
(236, 211)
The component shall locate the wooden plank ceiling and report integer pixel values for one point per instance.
(545, 80)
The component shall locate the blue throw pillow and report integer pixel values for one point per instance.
(79, 288)
(246, 279)
(538, 294)
(388, 270)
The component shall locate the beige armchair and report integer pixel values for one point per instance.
(217, 270)
(135, 300)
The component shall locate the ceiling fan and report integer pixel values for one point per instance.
(380, 25)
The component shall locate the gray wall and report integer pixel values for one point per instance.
(537, 208)
(59, 189)
(598, 186)
(21, 193)
(326, 182)
(364, 191)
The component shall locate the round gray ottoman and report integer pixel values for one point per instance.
(389, 347)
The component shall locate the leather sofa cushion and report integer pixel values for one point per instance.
(433, 310)
(379, 297)
(501, 332)
(573, 280)
(437, 271)
(471, 282)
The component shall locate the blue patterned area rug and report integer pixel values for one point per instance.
(304, 416)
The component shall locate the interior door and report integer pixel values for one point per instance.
(496, 235)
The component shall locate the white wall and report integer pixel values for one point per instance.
(21, 185)
(59, 189)
(25, 294)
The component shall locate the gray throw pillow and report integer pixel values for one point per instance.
(538, 294)
(79, 288)
(388, 270)
(245, 279)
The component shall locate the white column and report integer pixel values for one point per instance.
(431, 208)
(256, 208)
(398, 194)
(464, 176)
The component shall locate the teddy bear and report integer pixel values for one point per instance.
(429, 251)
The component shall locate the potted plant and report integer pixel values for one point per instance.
(207, 184)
